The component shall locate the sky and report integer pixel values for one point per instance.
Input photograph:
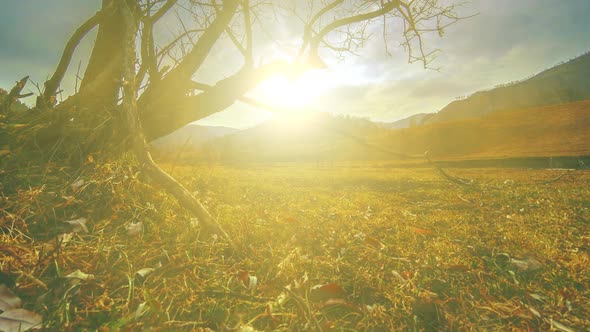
(507, 40)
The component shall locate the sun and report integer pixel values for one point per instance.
(292, 93)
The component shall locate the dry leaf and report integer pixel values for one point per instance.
(407, 275)
(64, 238)
(134, 229)
(326, 292)
(422, 231)
(78, 225)
(76, 185)
(249, 281)
(142, 308)
(145, 271)
(528, 264)
(252, 282)
(8, 300)
(16, 320)
(80, 275)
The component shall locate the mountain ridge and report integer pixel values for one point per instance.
(566, 82)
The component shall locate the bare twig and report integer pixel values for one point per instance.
(15, 93)
(47, 99)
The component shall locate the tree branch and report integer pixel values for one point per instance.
(195, 58)
(138, 139)
(186, 109)
(385, 8)
(51, 85)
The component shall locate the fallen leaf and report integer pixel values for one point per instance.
(78, 225)
(407, 275)
(142, 308)
(338, 302)
(134, 229)
(76, 185)
(64, 238)
(16, 320)
(252, 282)
(528, 264)
(145, 271)
(326, 292)
(8, 300)
(422, 231)
(243, 276)
(80, 275)
(249, 281)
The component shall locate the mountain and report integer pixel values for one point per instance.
(555, 130)
(567, 82)
(192, 135)
(301, 136)
(409, 122)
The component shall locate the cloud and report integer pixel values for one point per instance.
(507, 41)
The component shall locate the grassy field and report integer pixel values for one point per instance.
(340, 248)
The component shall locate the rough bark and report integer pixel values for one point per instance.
(102, 78)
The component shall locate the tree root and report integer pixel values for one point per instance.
(473, 184)
(462, 182)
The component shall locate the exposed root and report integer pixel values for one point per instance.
(462, 182)
(473, 184)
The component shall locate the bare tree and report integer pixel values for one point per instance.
(139, 86)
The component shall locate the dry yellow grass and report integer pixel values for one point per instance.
(348, 247)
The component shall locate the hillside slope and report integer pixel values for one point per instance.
(302, 136)
(558, 130)
(564, 83)
(192, 135)
(409, 122)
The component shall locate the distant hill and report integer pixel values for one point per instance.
(411, 121)
(302, 136)
(556, 130)
(563, 83)
(192, 136)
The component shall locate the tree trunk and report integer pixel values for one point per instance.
(102, 78)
